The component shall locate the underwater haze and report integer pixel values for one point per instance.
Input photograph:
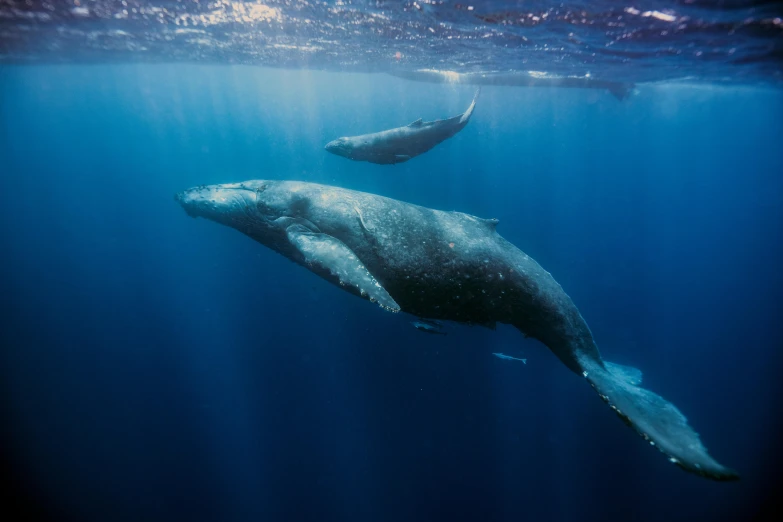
(158, 367)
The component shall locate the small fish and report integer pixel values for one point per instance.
(509, 358)
(427, 327)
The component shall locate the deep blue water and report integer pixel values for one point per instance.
(156, 367)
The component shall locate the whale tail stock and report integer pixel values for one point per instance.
(658, 421)
(468, 113)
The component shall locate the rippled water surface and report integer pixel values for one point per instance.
(628, 41)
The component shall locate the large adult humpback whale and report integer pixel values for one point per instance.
(442, 265)
(402, 143)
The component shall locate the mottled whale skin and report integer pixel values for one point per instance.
(403, 143)
(442, 265)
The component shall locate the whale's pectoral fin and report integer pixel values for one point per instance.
(333, 260)
(657, 420)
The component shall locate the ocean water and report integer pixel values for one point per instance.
(157, 367)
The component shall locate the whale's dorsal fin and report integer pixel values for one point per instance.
(334, 261)
(492, 223)
(417, 123)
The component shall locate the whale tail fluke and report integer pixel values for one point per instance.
(468, 113)
(658, 421)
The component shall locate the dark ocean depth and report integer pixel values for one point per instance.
(156, 367)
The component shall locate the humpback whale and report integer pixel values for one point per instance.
(402, 143)
(443, 266)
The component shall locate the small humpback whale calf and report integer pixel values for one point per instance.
(509, 358)
(443, 266)
(403, 143)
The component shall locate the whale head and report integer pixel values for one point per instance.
(248, 206)
(342, 147)
(223, 203)
(261, 209)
